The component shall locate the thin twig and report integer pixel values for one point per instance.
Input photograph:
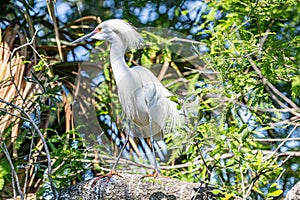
(14, 173)
(243, 183)
(10, 63)
(273, 91)
(43, 141)
(263, 39)
(249, 189)
(280, 145)
(13, 184)
(201, 72)
(45, 63)
(50, 6)
(30, 43)
(275, 139)
(273, 88)
(163, 69)
(24, 45)
(12, 114)
(29, 158)
(177, 39)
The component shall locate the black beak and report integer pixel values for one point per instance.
(84, 37)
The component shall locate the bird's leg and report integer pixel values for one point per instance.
(152, 145)
(113, 170)
(156, 172)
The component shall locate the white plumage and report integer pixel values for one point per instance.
(145, 101)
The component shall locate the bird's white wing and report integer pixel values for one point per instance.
(143, 97)
(138, 91)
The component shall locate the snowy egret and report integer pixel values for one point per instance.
(145, 101)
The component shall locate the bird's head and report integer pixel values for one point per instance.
(114, 29)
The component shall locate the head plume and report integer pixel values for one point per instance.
(127, 33)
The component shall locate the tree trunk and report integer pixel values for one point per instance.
(131, 186)
(294, 193)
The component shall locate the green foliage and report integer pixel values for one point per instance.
(70, 160)
(253, 94)
(41, 65)
(5, 173)
(249, 36)
(273, 191)
(295, 86)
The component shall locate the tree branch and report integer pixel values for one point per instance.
(43, 140)
(294, 193)
(13, 171)
(131, 186)
(274, 89)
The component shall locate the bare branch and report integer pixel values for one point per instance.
(24, 45)
(4, 149)
(50, 6)
(27, 168)
(273, 88)
(131, 186)
(275, 139)
(43, 140)
(280, 145)
(163, 69)
(12, 114)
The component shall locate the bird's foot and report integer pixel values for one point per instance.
(108, 175)
(154, 175)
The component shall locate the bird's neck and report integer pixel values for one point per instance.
(117, 60)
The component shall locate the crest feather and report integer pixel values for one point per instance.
(127, 32)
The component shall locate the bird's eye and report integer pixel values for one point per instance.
(97, 30)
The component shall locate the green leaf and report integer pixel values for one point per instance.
(106, 72)
(216, 191)
(259, 158)
(184, 12)
(174, 99)
(275, 193)
(4, 171)
(295, 86)
(1, 182)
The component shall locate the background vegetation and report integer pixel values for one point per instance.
(244, 68)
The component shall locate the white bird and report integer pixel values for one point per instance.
(145, 101)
